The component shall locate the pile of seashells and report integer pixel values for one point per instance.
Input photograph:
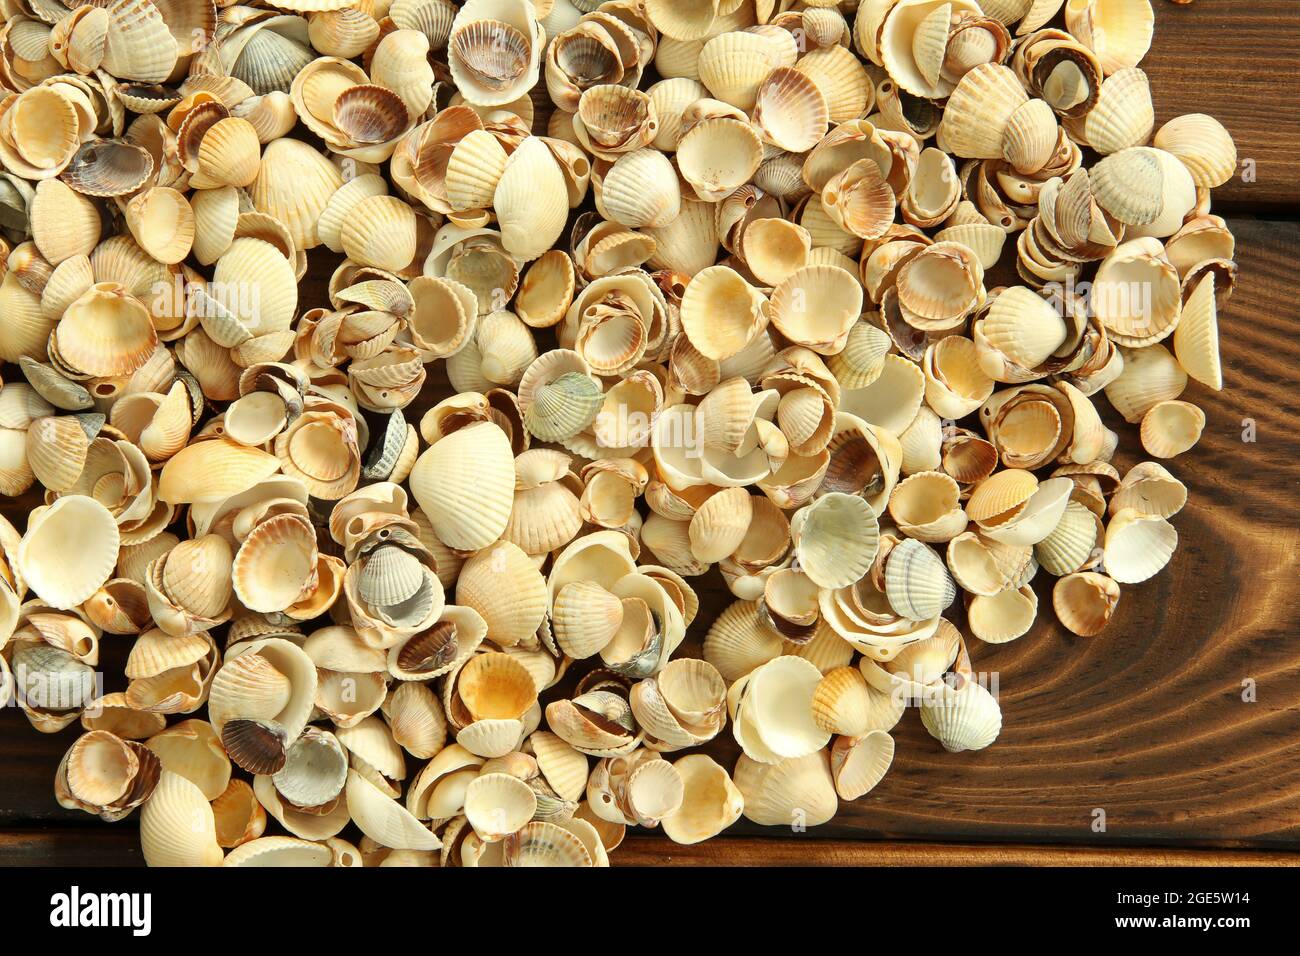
(713, 284)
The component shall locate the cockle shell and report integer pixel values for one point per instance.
(177, 827)
(474, 463)
(799, 790)
(61, 574)
(964, 717)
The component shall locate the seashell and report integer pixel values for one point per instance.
(545, 844)
(771, 711)
(1123, 115)
(546, 291)
(1137, 546)
(1177, 198)
(955, 382)
(916, 581)
(498, 805)
(773, 249)
(193, 750)
(63, 223)
(64, 576)
(563, 768)
(965, 717)
(859, 763)
(1023, 326)
(229, 154)
(711, 802)
(979, 111)
(43, 126)
(211, 471)
(1203, 146)
(790, 110)
(844, 703)
(1150, 376)
(719, 525)
(105, 332)
(55, 450)
(585, 618)
(1171, 428)
(1004, 616)
(718, 155)
(494, 51)
(294, 184)
(1137, 319)
(284, 544)
(104, 775)
(380, 231)
(926, 506)
(842, 79)
(1196, 337)
(1070, 545)
(1084, 602)
(1119, 33)
(682, 20)
(177, 826)
(721, 313)
(688, 244)
(385, 820)
(892, 400)
(511, 615)
(732, 66)
(564, 407)
(473, 463)
(641, 189)
(1031, 136)
(238, 816)
(859, 200)
(1149, 488)
(799, 789)
(529, 201)
(817, 306)
(835, 539)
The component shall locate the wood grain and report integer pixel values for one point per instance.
(119, 847)
(1235, 61)
(1146, 721)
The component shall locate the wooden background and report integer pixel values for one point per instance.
(1146, 721)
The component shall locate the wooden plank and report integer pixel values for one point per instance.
(1145, 722)
(107, 845)
(1235, 61)
(807, 851)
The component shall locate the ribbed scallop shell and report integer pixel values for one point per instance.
(294, 184)
(1138, 546)
(472, 465)
(641, 189)
(799, 790)
(965, 718)
(585, 618)
(1124, 115)
(979, 111)
(177, 827)
(530, 200)
(514, 610)
(1071, 543)
(1196, 339)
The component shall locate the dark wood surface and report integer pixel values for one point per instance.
(1145, 722)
